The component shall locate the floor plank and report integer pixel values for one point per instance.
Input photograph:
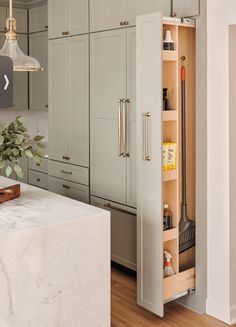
(126, 313)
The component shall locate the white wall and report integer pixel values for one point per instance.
(220, 14)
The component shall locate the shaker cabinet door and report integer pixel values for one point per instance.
(107, 14)
(57, 18)
(78, 111)
(78, 16)
(149, 163)
(38, 19)
(108, 85)
(39, 82)
(58, 99)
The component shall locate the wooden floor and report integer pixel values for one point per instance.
(126, 313)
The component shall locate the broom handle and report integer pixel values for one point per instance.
(184, 182)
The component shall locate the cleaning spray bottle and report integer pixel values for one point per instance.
(168, 269)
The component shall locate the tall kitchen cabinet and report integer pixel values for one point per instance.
(69, 99)
(112, 136)
(158, 69)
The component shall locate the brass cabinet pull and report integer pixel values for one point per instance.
(126, 127)
(46, 27)
(122, 23)
(110, 206)
(66, 186)
(38, 180)
(66, 158)
(146, 149)
(126, 23)
(66, 172)
(66, 33)
(120, 128)
(46, 105)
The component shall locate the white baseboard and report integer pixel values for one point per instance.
(217, 311)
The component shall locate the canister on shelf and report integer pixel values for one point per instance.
(167, 218)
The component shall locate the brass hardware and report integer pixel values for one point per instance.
(146, 154)
(127, 155)
(38, 179)
(122, 23)
(126, 23)
(66, 172)
(46, 105)
(120, 128)
(66, 186)
(66, 158)
(124, 127)
(65, 33)
(46, 26)
(38, 164)
(110, 206)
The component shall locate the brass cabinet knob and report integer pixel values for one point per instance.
(46, 27)
(122, 23)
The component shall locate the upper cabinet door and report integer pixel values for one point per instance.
(21, 17)
(107, 14)
(58, 98)
(149, 163)
(67, 17)
(78, 134)
(187, 8)
(142, 7)
(3, 16)
(57, 18)
(78, 16)
(39, 81)
(108, 85)
(38, 19)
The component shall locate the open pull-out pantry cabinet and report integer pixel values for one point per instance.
(158, 69)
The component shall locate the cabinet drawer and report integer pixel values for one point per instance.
(69, 189)
(123, 232)
(38, 179)
(42, 167)
(71, 173)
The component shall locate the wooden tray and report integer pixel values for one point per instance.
(9, 193)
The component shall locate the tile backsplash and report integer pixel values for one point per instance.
(35, 121)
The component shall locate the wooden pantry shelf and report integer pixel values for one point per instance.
(179, 283)
(170, 115)
(170, 234)
(169, 175)
(169, 55)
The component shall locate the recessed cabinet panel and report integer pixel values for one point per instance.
(67, 18)
(123, 232)
(57, 18)
(141, 7)
(131, 118)
(58, 100)
(39, 81)
(187, 8)
(108, 85)
(78, 133)
(149, 163)
(38, 19)
(107, 14)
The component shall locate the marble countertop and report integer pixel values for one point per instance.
(37, 208)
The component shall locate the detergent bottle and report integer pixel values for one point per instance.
(168, 269)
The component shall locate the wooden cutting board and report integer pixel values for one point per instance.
(9, 193)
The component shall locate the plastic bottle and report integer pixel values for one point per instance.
(167, 218)
(168, 269)
(168, 42)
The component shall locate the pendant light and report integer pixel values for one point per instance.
(21, 62)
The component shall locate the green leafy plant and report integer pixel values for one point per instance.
(15, 143)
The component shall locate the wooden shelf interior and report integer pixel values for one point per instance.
(183, 265)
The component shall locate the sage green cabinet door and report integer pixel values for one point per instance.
(78, 129)
(67, 17)
(107, 14)
(141, 7)
(187, 8)
(38, 19)
(38, 43)
(108, 85)
(131, 117)
(58, 99)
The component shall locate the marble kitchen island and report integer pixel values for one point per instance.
(54, 261)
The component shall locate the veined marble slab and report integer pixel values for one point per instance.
(54, 262)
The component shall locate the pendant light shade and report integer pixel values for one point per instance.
(21, 62)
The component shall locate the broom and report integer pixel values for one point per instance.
(186, 226)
